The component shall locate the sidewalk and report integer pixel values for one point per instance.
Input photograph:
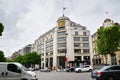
(61, 70)
(97, 67)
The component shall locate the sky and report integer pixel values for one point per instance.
(26, 20)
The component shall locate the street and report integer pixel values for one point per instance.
(63, 76)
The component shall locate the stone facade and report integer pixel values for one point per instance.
(67, 40)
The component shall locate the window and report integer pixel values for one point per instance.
(61, 33)
(72, 24)
(42, 54)
(83, 28)
(46, 53)
(42, 59)
(75, 28)
(86, 66)
(51, 52)
(87, 59)
(77, 50)
(113, 59)
(76, 38)
(85, 44)
(61, 45)
(61, 39)
(85, 50)
(13, 68)
(76, 44)
(76, 33)
(61, 28)
(84, 33)
(85, 38)
(61, 50)
(115, 68)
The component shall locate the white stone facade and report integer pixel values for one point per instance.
(66, 39)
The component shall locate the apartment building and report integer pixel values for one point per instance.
(23, 51)
(68, 43)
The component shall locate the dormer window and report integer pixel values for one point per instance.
(83, 28)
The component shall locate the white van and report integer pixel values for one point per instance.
(15, 71)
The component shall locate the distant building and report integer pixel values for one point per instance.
(14, 55)
(68, 42)
(26, 49)
(22, 51)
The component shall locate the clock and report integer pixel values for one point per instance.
(61, 23)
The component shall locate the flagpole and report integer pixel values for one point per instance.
(63, 11)
(106, 14)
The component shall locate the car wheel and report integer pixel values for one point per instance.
(110, 78)
(24, 79)
(90, 70)
(79, 71)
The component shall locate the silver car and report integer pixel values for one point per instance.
(45, 70)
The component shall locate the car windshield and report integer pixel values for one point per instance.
(23, 67)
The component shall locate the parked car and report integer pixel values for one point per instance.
(111, 72)
(84, 68)
(31, 69)
(70, 69)
(45, 69)
(15, 71)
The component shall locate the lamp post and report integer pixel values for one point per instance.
(1, 28)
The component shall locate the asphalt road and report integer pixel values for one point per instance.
(63, 75)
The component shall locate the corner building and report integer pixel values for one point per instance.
(113, 59)
(67, 39)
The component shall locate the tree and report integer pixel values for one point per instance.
(1, 29)
(108, 40)
(31, 58)
(2, 58)
(18, 58)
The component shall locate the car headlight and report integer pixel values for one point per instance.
(76, 69)
(32, 75)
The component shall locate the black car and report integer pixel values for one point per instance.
(72, 69)
(111, 72)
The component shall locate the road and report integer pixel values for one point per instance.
(63, 76)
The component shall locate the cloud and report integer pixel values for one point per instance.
(37, 20)
(10, 11)
(26, 20)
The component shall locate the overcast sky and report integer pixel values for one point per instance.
(26, 20)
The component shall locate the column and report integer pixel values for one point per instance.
(55, 49)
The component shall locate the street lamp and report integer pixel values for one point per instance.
(1, 28)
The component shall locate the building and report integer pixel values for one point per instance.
(66, 44)
(22, 51)
(14, 55)
(25, 49)
(99, 59)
